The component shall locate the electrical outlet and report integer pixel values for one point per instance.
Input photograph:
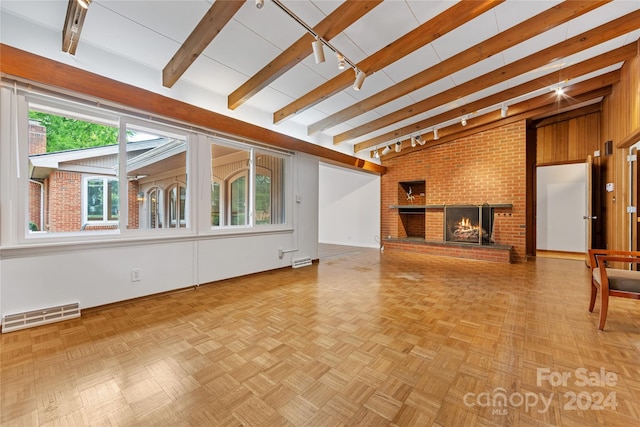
(135, 275)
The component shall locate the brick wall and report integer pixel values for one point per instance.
(37, 138)
(64, 202)
(488, 167)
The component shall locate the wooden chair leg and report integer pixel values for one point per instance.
(604, 306)
(594, 293)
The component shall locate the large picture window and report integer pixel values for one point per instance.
(91, 169)
(247, 186)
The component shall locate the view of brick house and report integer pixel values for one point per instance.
(78, 190)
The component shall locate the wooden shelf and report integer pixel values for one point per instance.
(418, 207)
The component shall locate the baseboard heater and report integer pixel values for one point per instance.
(300, 262)
(29, 319)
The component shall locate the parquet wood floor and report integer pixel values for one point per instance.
(362, 339)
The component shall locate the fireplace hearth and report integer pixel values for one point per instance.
(471, 224)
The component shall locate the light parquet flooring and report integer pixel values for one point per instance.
(362, 339)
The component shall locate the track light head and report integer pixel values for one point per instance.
(398, 146)
(414, 141)
(318, 51)
(435, 134)
(341, 64)
(463, 121)
(259, 4)
(84, 3)
(386, 150)
(360, 76)
(376, 154)
(503, 111)
(420, 140)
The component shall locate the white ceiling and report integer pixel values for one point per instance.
(132, 41)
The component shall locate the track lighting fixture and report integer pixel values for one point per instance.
(386, 150)
(340, 61)
(414, 142)
(360, 76)
(318, 50)
(559, 90)
(259, 4)
(376, 154)
(398, 146)
(421, 140)
(435, 134)
(84, 3)
(503, 111)
(463, 121)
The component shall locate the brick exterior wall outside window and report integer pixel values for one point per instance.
(488, 167)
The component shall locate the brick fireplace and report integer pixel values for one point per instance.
(487, 168)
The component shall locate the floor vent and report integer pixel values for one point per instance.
(29, 319)
(301, 262)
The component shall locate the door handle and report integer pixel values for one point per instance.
(589, 217)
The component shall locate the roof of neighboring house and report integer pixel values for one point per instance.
(98, 160)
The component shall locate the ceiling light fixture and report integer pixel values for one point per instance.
(386, 150)
(435, 134)
(360, 76)
(503, 111)
(318, 51)
(414, 141)
(421, 140)
(317, 44)
(376, 154)
(84, 3)
(463, 121)
(398, 146)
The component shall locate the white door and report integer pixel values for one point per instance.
(561, 208)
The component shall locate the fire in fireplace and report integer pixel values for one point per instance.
(469, 224)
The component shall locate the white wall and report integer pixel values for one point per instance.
(349, 207)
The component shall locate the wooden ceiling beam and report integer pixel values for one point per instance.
(334, 24)
(601, 34)
(455, 16)
(528, 110)
(218, 15)
(566, 74)
(43, 72)
(73, 22)
(532, 27)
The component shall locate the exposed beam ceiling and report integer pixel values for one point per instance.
(544, 82)
(207, 29)
(575, 44)
(532, 27)
(428, 63)
(450, 19)
(345, 15)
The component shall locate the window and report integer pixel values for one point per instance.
(90, 169)
(72, 162)
(101, 200)
(157, 172)
(247, 187)
(177, 206)
(269, 189)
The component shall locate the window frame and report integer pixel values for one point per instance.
(198, 169)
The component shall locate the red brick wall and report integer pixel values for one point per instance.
(35, 204)
(65, 202)
(488, 167)
(37, 138)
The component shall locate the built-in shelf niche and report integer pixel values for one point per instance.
(411, 195)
